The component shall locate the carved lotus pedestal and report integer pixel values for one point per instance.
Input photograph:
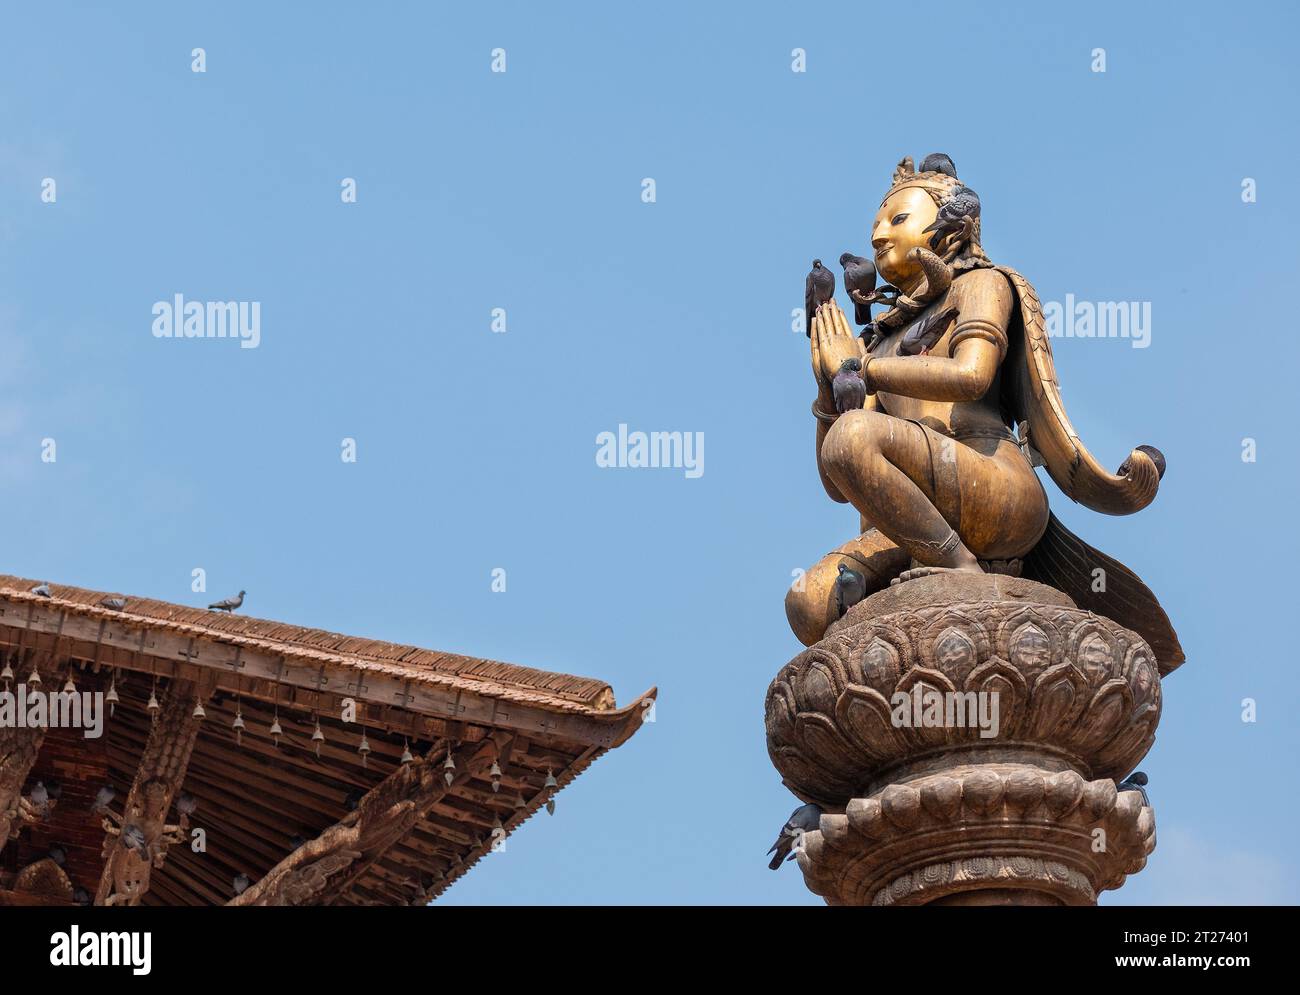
(963, 735)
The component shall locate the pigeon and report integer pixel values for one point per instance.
(228, 604)
(102, 797)
(116, 604)
(850, 588)
(964, 203)
(1137, 781)
(186, 804)
(802, 820)
(353, 800)
(58, 855)
(81, 896)
(937, 162)
(295, 842)
(921, 337)
(859, 281)
(42, 590)
(241, 883)
(133, 837)
(848, 387)
(39, 797)
(1157, 457)
(817, 290)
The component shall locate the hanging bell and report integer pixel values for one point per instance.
(199, 713)
(447, 769)
(406, 753)
(276, 731)
(519, 802)
(550, 786)
(153, 705)
(7, 674)
(34, 680)
(318, 737)
(495, 772)
(112, 697)
(364, 748)
(69, 687)
(238, 726)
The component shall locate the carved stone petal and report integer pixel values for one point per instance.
(864, 717)
(1064, 792)
(941, 797)
(982, 791)
(865, 818)
(901, 804)
(1025, 789)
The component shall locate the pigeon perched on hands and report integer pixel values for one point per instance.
(921, 337)
(850, 588)
(937, 162)
(802, 820)
(102, 798)
(848, 387)
(39, 796)
(353, 800)
(817, 290)
(241, 883)
(186, 804)
(958, 211)
(859, 281)
(58, 855)
(42, 590)
(228, 604)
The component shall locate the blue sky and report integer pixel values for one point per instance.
(476, 450)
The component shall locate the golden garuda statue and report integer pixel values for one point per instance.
(961, 403)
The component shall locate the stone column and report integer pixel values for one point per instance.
(1004, 792)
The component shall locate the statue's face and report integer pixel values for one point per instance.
(898, 230)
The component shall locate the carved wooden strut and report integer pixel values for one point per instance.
(137, 840)
(324, 868)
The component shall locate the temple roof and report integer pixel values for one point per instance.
(255, 796)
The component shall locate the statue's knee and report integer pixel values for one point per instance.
(855, 435)
(808, 619)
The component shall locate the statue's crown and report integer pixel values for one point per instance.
(938, 178)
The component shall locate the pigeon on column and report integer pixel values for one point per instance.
(1137, 781)
(850, 588)
(802, 820)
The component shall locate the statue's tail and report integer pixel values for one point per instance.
(1064, 561)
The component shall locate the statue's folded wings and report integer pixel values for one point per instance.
(1033, 395)
(1097, 582)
